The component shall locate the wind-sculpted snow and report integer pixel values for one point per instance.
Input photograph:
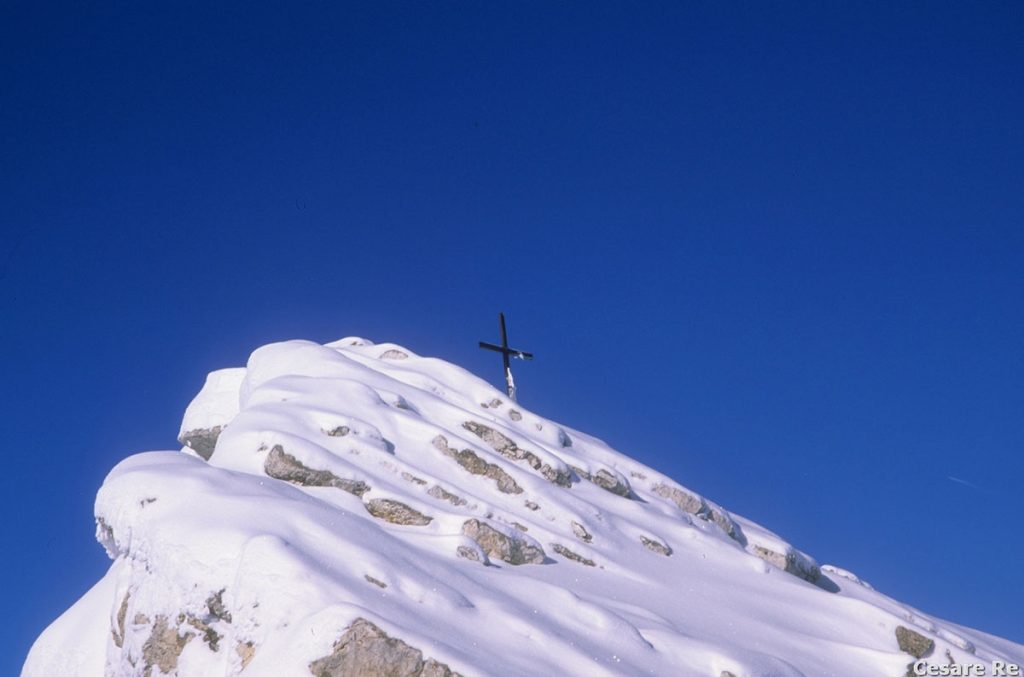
(357, 509)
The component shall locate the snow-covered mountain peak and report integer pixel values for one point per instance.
(355, 508)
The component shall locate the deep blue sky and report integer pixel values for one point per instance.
(775, 252)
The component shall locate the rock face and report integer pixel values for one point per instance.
(163, 647)
(913, 643)
(509, 449)
(511, 549)
(569, 554)
(284, 466)
(478, 466)
(696, 505)
(365, 649)
(789, 563)
(201, 440)
(396, 512)
(655, 546)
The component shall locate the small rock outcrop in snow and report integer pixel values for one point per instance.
(365, 649)
(354, 508)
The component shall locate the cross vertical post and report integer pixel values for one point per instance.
(507, 353)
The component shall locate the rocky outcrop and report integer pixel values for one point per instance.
(655, 546)
(789, 562)
(608, 481)
(338, 431)
(396, 512)
(163, 647)
(913, 643)
(569, 554)
(365, 649)
(512, 549)
(283, 466)
(478, 466)
(696, 505)
(509, 449)
(440, 493)
(394, 354)
(201, 440)
(581, 532)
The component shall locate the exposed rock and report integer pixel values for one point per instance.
(637, 475)
(478, 466)
(163, 647)
(532, 505)
(284, 466)
(472, 554)
(215, 605)
(913, 643)
(515, 415)
(140, 619)
(394, 355)
(609, 482)
(412, 478)
(507, 448)
(581, 532)
(376, 581)
(695, 505)
(209, 635)
(365, 649)
(521, 527)
(788, 562)
(438, 492)
(507, 548)
(495, 403)
(655, 546)
(245, 651)
(566, 552)
(339, 431)
(396, 512)
(118, 632)
(201, 440)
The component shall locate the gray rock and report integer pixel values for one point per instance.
(509, 449)
(215, 605)
(532, 505)
(376, 581)
(201, 440)
(472, 554)
(655, 546)
(581, 532)
(396, 512)
(163, 646)
(510, 549)
(695, 505)
(515, 415)
(284, 466)
(394, 355)
(412, 478)
(789, 563)
(569, 554)
(365, 649)
(206, 631)
(339, 431)
(438, 492)
(609, 482)
(478, 466)
(913, 643)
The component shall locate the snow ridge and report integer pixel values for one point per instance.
(356, 507)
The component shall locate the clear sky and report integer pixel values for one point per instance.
(775, 252)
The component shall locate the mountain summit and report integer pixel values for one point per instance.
(354, 508)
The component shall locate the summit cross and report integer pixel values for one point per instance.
(506, 353)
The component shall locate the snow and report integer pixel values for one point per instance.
(293, 564)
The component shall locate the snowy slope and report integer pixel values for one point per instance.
(365, 510)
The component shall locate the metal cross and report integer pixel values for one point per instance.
(506, 353)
